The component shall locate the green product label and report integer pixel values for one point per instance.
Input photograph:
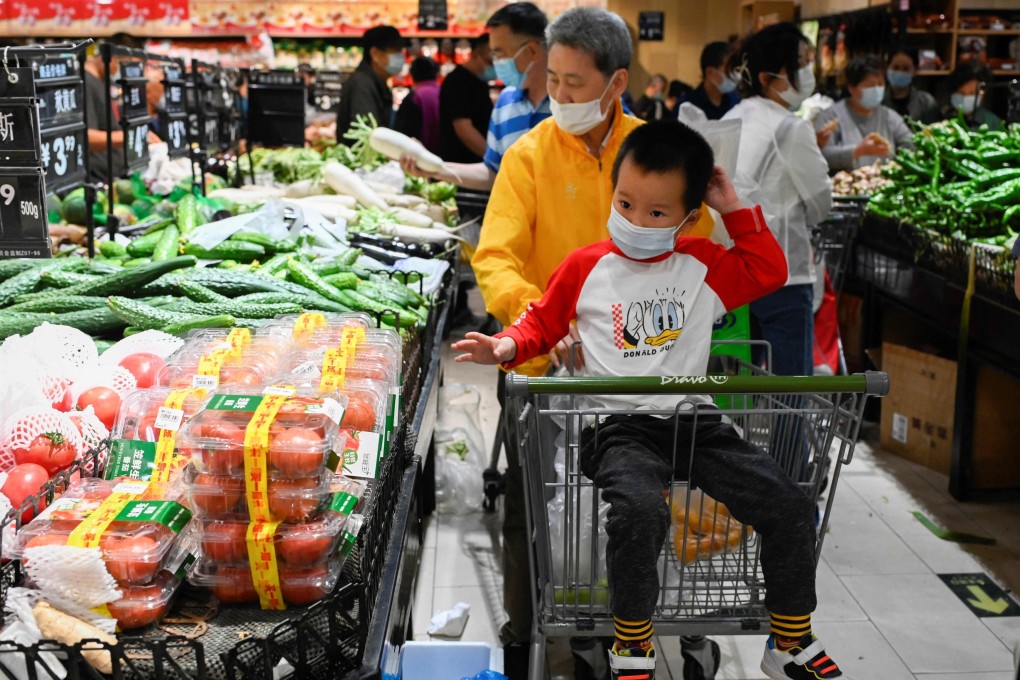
(350, 457)
(182, 571)
(170, 514)
(343, 503)
(347, 543)
(235, 402)
(131, 458)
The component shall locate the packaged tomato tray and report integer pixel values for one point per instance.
(302, 328)
(308, 366)
(298, 434)
(286, 500)
(141, 605)
(135, 525)
(144, 436)
(288, 585)
(365, 425)
(227, 365)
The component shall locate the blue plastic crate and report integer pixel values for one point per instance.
(448, 660)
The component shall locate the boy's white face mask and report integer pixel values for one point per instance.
(641, 243)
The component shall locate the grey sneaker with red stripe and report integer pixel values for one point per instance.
(807, 661)
(632, 663)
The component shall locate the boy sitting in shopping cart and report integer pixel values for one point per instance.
(644, 303)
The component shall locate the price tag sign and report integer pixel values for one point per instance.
(433, 15)
(60, 104)
(23, 230)
(19, 132)
(231, 128)
(175, 127)
(133, 100)
(131, 70)
(62, 152)
(210, 126)
(650, 25)
(173, 95)
(136, 146)
(55, 68)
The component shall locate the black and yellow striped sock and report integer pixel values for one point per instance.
(632, 633)
(788, 630)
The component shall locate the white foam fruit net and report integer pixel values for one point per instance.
(25, 425)
(152, 342)
(93, 433)
(73, 580)
(62, 348)
(117, 378)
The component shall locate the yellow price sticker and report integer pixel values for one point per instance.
(262, 561)
(256, 452)
(167, 459)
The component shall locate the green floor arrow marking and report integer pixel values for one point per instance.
(950, 535)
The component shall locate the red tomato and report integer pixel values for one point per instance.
(63, 401)
(44, 539)
(225, 542)
(238, 376)
(23, 481)
(360, 415)
(296, 451)
(50, 450)
(304, 544)
(139, 606)
(227, 461)
(234, 585)
(304, 585)
(146, 429)
(294, 410)
(132, 559)
(367, 371)
(293, 500)
(105, 401)
(144, 366)
(216, 496)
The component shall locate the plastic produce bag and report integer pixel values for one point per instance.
(22, 629)
(704, 528)
(722, 135)
(459, 450)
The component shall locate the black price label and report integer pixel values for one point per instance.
(172, 72)
(650, 25)
(60, 104)
(324, 77)
(62, 151)
(433, 15)
(136, 146)
(231, 125)
(211, 129)
(55, 68)
(173, 95)
(176, 134)
(131, 69)
(23, 230)
(19, 133)
(133, 100)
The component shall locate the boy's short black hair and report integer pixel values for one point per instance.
(423, 69)
(714, 55)
(860, 68)
(523, 19)
(670, 146)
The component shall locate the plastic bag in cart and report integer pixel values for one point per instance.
(459, 450)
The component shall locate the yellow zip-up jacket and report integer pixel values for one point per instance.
(551, 197)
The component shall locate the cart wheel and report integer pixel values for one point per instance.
(702, 662)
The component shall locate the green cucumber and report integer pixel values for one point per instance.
(137, 313)
(239, 251)
(158, 224)
(378, 289)
(265, 298)
(137, 262)
(238, 309)
(342, 280)
(187, 214)
(20, 323)
(274, 264)
(98, 321)
(61, 304)
(27, 281)
(385, 312)
(144, 246)
(112, 249)
(103, 345)
(229, 283)
(104, 267)
(129, 281)
(400, 288)
(195, 291)
(169, 243)
(57, 278)
(256, 238)
(305, 276)
(182, 328)
(9, 268)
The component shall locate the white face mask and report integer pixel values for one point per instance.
(641, 243)
(395, 63)
(577, 119)
(793, 96)
(964, 102)
(871, 97)
(726, 85)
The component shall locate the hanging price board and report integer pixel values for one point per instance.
(19, 125)
(55, 69)
(433, 15)
(176, 133)
(61, 104)
(62, 151)
(173, 90)
(136, 146)
(276, 108)
(326, 90)
(23, 230)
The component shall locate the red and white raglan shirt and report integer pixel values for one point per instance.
(651, 317)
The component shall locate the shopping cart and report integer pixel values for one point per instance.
(703, 593)
(832, 239)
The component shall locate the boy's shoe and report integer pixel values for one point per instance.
(808, 661)
(632, 663)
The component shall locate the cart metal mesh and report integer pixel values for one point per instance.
(833, 239)
(809, 425)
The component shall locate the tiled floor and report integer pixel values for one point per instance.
(883, 612)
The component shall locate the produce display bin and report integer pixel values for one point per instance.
(343, 635)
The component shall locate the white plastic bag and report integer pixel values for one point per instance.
(459, 451)
(722, 135)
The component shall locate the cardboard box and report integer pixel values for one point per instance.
(918, 413)
(994, 461)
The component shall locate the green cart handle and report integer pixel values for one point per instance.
(871, 382)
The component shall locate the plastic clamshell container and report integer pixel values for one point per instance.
(224, 497)
(283, 327)
(142, 605)
(134, 550)
(367, 404)
(204, 340)
(300, 437)
(233, 584)
(139, 412)
(300, 544)
(246, 367)
(306, 367)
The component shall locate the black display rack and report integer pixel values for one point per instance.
(214, 113)
(276, 108)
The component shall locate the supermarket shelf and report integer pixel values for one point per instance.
(929, 31)
(986, 31)
(1015, 72)
(943, 72)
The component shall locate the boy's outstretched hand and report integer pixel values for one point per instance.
(721, 196)
(485, 349)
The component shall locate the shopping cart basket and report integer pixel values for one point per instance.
(832, 240)
(795, 419)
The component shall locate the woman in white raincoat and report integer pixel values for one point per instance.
(780, 166)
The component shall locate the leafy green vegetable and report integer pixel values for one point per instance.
(363, 155)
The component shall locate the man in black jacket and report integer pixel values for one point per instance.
(365, 91)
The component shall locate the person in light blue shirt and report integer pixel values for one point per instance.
(517, 40)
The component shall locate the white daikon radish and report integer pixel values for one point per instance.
(345, 201)
(382, 188)
(409, 233)
(411, 218)
(306, 187)
(405, 200)
(239, 196)
(262, 190)
(394, 145)
(331, 211)
(343, 180)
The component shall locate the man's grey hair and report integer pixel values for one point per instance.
(600, 33)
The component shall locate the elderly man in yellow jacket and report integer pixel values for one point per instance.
(553, 195)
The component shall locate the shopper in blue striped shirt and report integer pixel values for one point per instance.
(517, 39)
